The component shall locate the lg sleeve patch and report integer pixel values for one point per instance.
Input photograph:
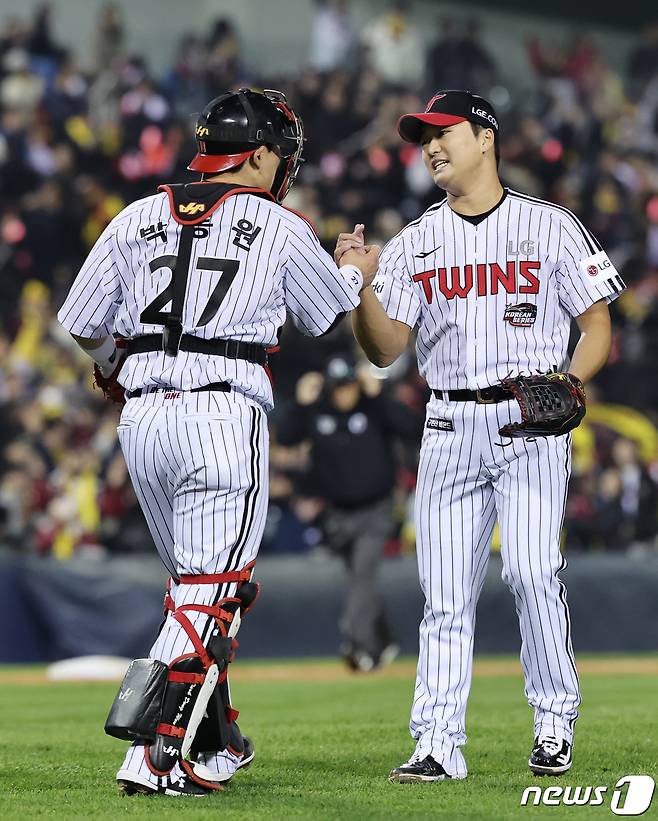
(598, 267)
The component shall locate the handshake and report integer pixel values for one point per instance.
(352, 250)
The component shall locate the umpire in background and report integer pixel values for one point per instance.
(351, 433)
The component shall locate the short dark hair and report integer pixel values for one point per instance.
(476, 128)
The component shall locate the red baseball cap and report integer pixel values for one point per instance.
(448, 108)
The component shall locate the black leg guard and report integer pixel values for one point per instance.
(218, 731)
(196, 702)
(189, 685)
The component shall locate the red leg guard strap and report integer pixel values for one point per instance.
(216, 612)
(217, 578)
(243, 575)
(187, 625)
(234, 649)
(222, 618)
(169, 729)
(186, 678)
(210, 610)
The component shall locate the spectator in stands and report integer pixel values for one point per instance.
(224, 63)
(75, 145)
(643, 62)
(110, 36)
(458, 59)
(395, 47)
(638, 496)
(332, 36)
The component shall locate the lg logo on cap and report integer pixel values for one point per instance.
(485, 115)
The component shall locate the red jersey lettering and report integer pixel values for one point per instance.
(424, 277)
(455, 288)
(525, 269)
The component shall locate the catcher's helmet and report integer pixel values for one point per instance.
(233, 126)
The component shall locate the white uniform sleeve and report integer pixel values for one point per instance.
(393, 284)
(95, 295)
(316, 292)
(584, 271)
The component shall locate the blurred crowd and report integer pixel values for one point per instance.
(78, 141)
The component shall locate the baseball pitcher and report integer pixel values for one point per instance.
(490, 279)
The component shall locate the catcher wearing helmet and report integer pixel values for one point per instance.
(198, 280)
(233, 126)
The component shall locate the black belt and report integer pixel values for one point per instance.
(483, 396)
(230, 348)
(213, 386)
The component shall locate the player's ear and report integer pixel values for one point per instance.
(487, 139)
(256, 158)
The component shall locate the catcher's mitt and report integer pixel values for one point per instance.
(551, 404)
(110, 384)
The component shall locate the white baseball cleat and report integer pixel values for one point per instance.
(222, 776)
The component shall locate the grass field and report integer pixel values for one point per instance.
(325, 741)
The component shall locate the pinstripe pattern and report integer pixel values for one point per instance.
(284, 270)
(198, 461)
(198, 464)
(455, 516)
(452, 279)
(464, 342)
(466, 481)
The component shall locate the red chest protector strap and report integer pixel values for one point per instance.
(191, 203)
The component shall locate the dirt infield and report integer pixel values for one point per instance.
(332, 670)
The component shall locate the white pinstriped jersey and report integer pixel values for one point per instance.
(272, 257)
(493, 298)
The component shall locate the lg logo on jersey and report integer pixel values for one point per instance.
(488, 279)
(526, 248)
(599, 265)
(632, 795)
(593, 270)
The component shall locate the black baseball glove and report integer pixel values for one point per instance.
(551, 404)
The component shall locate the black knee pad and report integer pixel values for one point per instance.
(135, 713)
